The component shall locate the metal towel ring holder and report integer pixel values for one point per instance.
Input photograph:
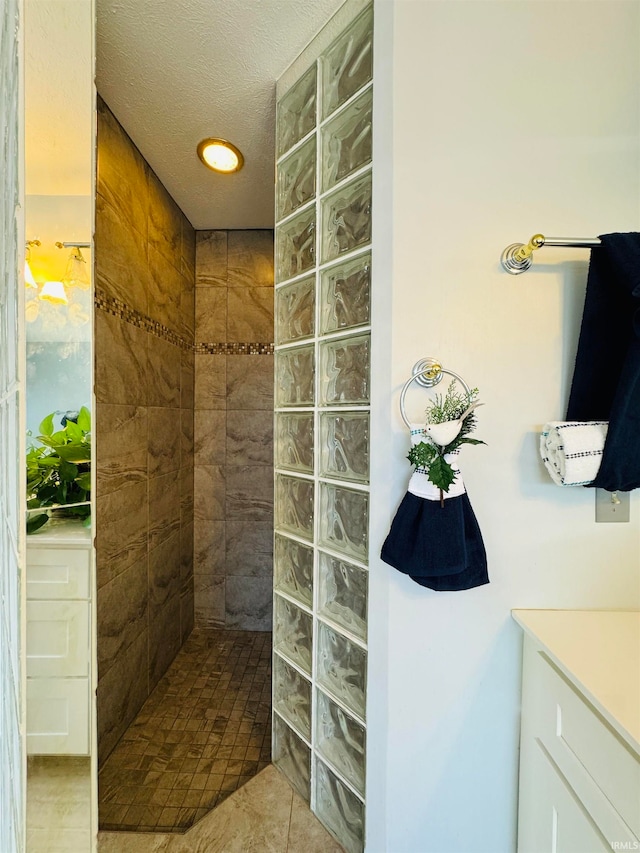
(427, 372)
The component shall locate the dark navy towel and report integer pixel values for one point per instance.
(606, 379)
(438, 547)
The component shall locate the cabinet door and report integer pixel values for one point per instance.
(57, 638)
(58, 572)
(551, 818)
(58, 716)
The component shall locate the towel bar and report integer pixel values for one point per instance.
(517, 257)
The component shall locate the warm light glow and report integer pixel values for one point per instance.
(53, 291)
(76, 274)
(29, 280)
(220, 155)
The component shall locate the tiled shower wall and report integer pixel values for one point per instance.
(233, 505)
(12, 805)
(144, 385)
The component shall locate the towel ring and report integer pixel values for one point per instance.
(427, 372)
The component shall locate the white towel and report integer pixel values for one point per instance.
(572, 450)
(420, 485)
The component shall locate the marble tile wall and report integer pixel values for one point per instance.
(233, 430)
(144, 386)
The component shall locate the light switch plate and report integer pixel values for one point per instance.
(612, 506)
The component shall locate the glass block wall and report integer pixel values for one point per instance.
(322, 380)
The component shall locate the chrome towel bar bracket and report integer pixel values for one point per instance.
(518, 257)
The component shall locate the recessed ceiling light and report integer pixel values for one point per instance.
(220, 155)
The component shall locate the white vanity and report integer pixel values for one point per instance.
(59, 561)
(580, 736)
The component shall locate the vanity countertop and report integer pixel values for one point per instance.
(599, 652)
(59, 533)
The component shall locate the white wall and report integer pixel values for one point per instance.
(504, 119)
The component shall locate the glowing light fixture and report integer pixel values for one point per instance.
(75, 274)
(53, 291)
(29, 280)
(220, 155)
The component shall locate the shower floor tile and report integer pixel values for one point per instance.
(203, 732)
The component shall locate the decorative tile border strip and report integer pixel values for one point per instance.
(114, 306)
(253, 348)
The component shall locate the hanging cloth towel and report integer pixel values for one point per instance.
(439, 547)
(606, 379)
(572, 450)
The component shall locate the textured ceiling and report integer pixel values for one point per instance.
(176, 71)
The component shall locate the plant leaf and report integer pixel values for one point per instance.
(422, 454)
(51, 461)
(441, 473)
(73, 432)
(56, 440)
(84, 419)
(35, 522)
(84, 481)
(76, 453)
(46, 427)
(68, 471)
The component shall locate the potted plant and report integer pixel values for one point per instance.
(59, 470)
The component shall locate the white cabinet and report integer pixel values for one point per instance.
(59, 565)
(579, 786)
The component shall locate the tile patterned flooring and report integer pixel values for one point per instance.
(264, 816)
(203, 732)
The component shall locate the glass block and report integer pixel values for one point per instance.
(339, 809)
(348, 64)
(344, 445)
(294, 376)
(295, 309)
(346, 141)
(296, 112)
(296, 243)
(293, 757)
(342, 668)
(293, 569)
(344, 520)
(346, 221)
(345, 371)
(341, 740)
(292, 696)
(346, 294)
(294, 441)
(343, 594)
(296, 179)
(293, 633)
(294, 505)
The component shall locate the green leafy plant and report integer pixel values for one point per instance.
(450, 407)
(429, 455)
(59, 469)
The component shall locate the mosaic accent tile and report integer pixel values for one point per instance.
(117, 308)
(234, 349)
(113, 305)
